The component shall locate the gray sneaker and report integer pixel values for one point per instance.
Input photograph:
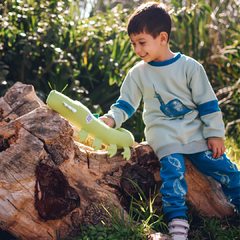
(178, 228)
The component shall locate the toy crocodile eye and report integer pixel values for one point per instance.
(69, 107)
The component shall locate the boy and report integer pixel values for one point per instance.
(181, 113)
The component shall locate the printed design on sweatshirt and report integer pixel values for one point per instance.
(177, 186)
(174, 108)
(175, 162)
(209, 154)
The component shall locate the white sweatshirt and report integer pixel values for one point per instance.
(180, 108)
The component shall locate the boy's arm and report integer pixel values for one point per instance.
(217, 146)
(126, 105)
(207, 104)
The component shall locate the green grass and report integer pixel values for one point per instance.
(212, 228)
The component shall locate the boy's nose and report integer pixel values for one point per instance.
(137, 48)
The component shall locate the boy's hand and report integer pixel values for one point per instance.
(217, 146)
(109, 121)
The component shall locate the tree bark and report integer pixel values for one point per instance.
(49, 182)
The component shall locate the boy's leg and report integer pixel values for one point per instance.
(222, 170)
(174, 186)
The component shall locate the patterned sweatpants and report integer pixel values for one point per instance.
(174, 186)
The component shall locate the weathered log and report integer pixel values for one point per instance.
(49, 182)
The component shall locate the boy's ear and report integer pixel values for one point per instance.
(163, 37)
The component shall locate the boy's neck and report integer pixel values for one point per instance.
(166, 54)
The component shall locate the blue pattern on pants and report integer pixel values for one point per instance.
(174, 186)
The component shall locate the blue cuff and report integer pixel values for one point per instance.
(208, 107)
(177, 214)
(125, 106)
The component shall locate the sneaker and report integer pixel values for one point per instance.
(178, 228)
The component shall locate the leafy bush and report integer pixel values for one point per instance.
(44, 45)
(107, 233)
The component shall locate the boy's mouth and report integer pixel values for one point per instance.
(143, 56)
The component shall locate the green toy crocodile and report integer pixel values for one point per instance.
(81, 117)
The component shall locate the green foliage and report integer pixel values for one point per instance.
(214, 229)
(42, 44)
(120, 228)
(129, 229)
(31, 45)
(106, 58)
(144, 208)
(101, 232)
(232, 151)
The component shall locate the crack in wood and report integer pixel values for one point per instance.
(20, 183)
(13, 205)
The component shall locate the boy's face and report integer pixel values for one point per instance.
(146, 47)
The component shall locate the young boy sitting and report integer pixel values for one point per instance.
(181, 114)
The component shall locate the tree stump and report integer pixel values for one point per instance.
(49, 182)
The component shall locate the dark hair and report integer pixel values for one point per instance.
(152, 18)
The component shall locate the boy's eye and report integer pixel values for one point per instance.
(141, 43)
(133, 43)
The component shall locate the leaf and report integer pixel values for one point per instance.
(100, 238)
(206, 7)
(91, 227)
(116, 227)
(100, 228)
(111, 236)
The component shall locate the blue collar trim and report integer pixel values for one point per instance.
(167, 62)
